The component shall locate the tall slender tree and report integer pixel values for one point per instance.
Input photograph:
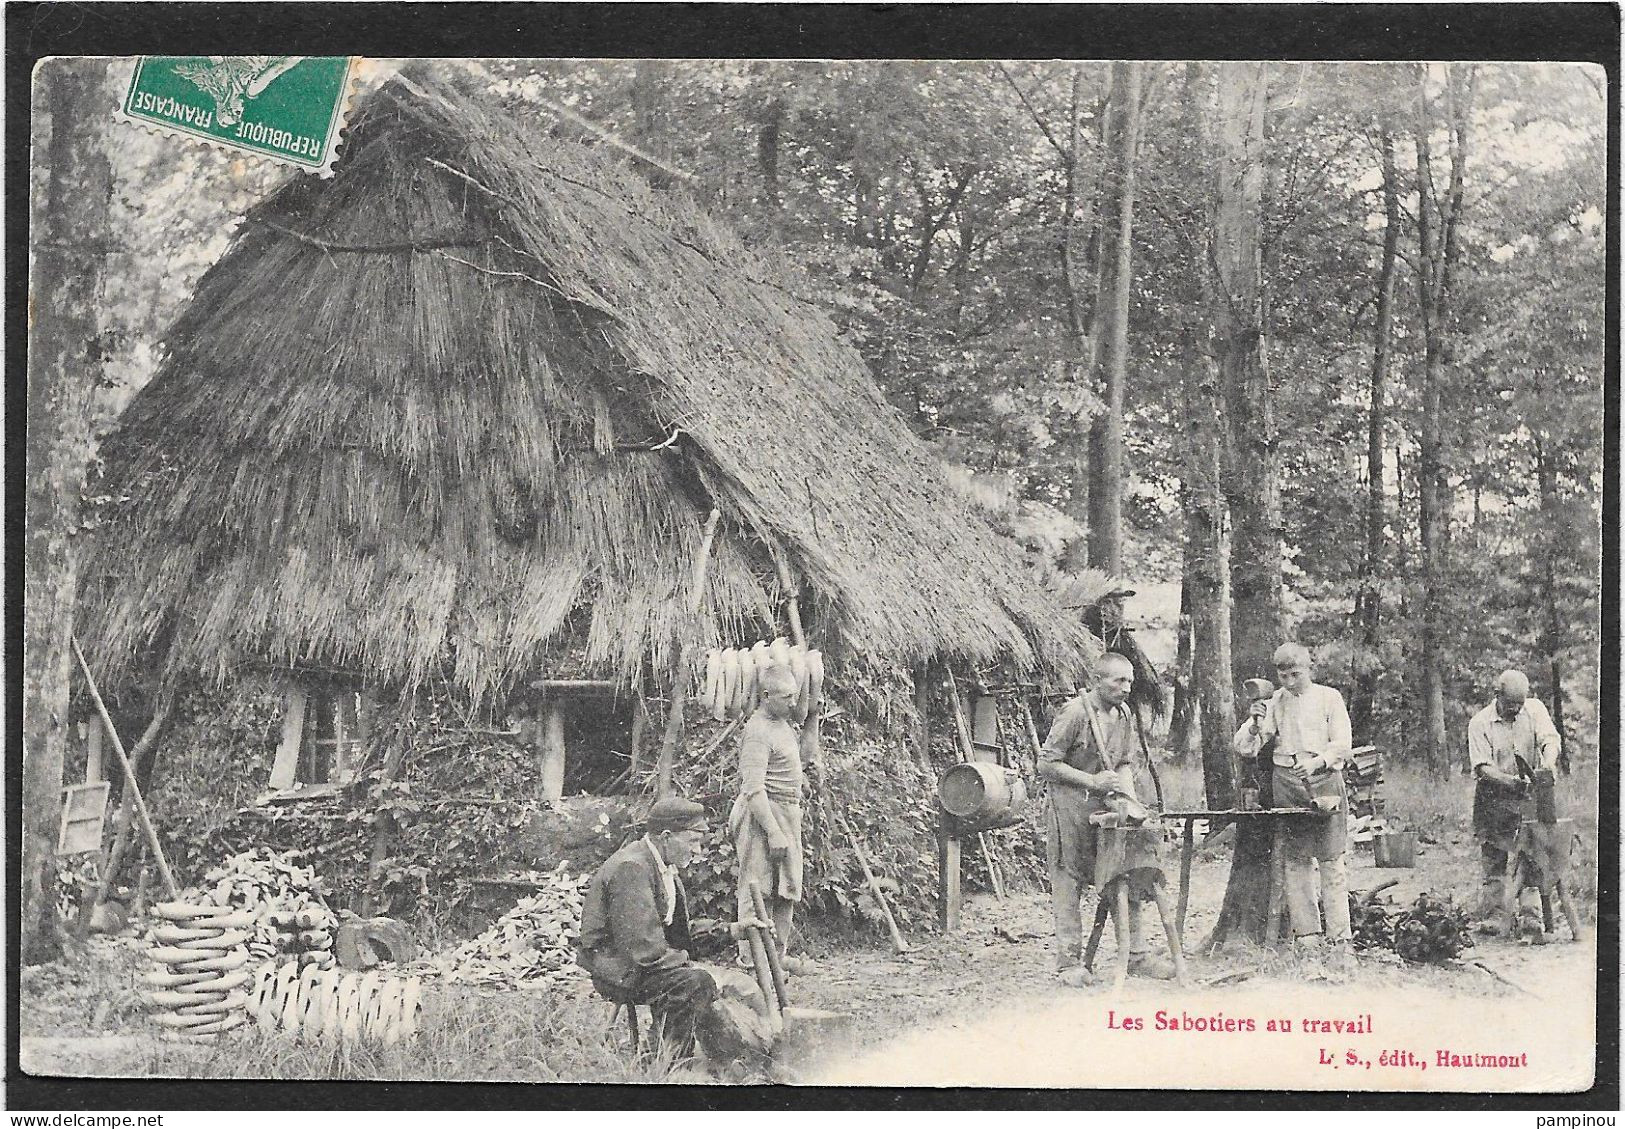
(1252, 485)
(1368, 601)
(1438, 219)
(1106, 449)
(71, 191)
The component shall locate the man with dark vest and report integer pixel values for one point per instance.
(635, 931)
(1090, 758)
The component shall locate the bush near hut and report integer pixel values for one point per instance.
(464, 795)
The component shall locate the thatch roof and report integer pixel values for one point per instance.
(407, 426)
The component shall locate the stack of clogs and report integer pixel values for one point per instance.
(198, 990)
(314, 1004)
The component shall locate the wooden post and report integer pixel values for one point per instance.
(812, 745)
(129, 777)
(640, 723)
(967, 752)
(922, 709)
(293, 731)
(93, 752)
(552, 750)
(1187, 851)
(1120, 912)
(680, 665)
(1171, 929)
(949, 896)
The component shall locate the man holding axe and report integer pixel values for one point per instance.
(1092, 763)
(1513, 728)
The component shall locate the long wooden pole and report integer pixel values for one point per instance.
(113, 858)
(967, 752)
(129, 776)
(680, 665)
(774, 964)
(898, 942)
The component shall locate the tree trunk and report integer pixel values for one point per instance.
(71, 193)
(1184, 734)
(1080, 326)
(1436, 221)
(1106, 462)
(1205, 583)
(1552, 636)
(1253, 473)
(1368, 603)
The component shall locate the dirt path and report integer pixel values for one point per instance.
(982, 1006)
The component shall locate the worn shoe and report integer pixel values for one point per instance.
(1150, 967)
(1077, 976)
(797, 966)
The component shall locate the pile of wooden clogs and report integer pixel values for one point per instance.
(198, 990)
(733, 677)
(305, 934)
(317, 1004)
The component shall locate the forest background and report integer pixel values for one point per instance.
(1319, 345)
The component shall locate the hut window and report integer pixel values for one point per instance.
(323, 737)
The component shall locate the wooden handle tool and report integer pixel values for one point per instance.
(774, 964)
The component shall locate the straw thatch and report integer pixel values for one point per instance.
(414, 423)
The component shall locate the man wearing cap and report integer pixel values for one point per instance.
(635, 931)
(1090, 756)
(1512, 728)
(766, 818)
(1306, 727)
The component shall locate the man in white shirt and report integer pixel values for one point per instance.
(1306, 726)
(1513, 727)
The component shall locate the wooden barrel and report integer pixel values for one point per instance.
(980, 792)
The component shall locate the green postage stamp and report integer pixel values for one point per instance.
(288, 108)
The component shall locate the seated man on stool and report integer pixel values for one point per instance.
(635, 933)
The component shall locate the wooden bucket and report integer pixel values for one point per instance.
(1394, 849)
(981, 792)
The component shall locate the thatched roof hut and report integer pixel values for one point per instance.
(461, 410)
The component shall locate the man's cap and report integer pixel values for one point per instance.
(674, 813)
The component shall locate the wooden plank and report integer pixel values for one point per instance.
(552, 750)
(93, 752)
(286, 764)
(950, 898)
(84, 814)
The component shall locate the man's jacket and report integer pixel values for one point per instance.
(623, 929)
